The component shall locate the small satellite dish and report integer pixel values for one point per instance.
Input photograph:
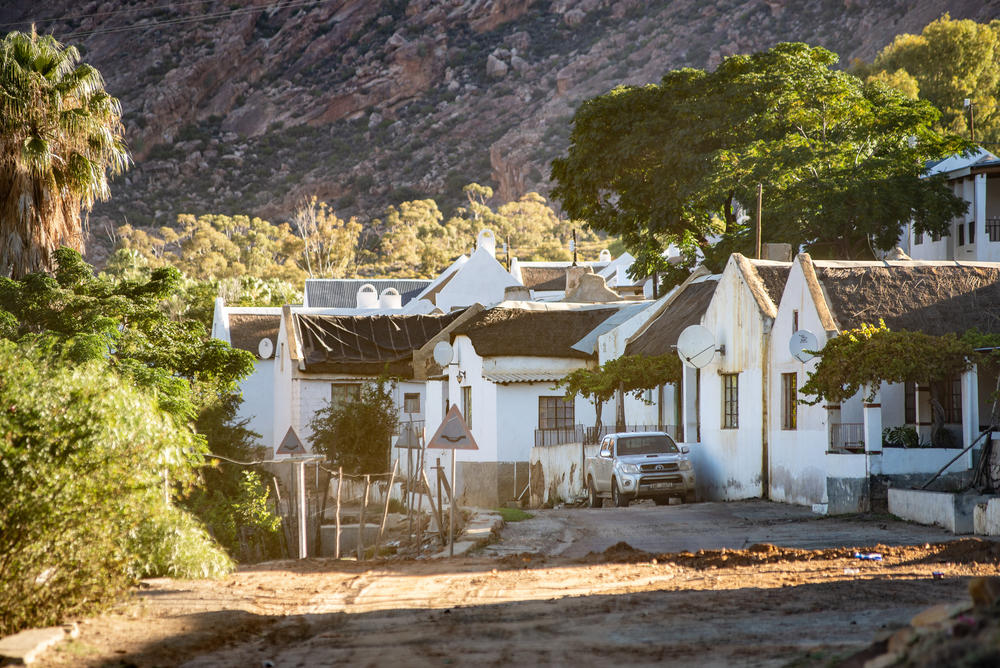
(265, 348)
(801, 343)
(696, 346)
(443, 353)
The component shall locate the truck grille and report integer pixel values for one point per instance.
(651, 479)
(651, 468)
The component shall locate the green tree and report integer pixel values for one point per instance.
(946, 63)
(83, 456)
(356, 434)
(842, 162)
(60, 136)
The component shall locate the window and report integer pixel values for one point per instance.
(789, 400)
(795, 321)
(555, 413)
(411, 402)
(342, 393)
(961, 234)
(910, 403)
(918, 238)
(972, 232)
(467, 405)
(730, 401)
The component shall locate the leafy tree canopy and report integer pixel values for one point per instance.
(945, 64)
(841, 161)
(861, 359)
(91, 318)
(60, 137)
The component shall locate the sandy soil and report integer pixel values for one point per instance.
(763, 606)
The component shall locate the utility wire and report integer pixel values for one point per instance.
(210, 16)
(113, 12)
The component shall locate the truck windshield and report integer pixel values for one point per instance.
(646, 445)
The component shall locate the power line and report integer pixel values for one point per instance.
(113, 12)
(210, 16)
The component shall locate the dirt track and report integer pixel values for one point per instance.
(763, 605)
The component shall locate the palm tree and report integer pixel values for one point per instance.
(60, 136)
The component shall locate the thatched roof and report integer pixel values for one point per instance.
(368, 345)
(544, 278)
(686, 308)
(774, 277)
(504, 331)
(935, 298)
(247, 329)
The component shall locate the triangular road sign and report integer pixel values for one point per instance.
(291, 444)
(453, 434)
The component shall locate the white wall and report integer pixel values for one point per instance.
(480, 280)
(731, 460)
(258, 400)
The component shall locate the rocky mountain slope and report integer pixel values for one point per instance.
(246, 106)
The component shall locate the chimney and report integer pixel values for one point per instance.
(516, 293)
(367, 296)
(390, 299)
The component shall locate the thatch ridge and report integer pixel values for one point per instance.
(247, 329)
(544, 278)
(686, 308)
(935, 299)
(503, 331)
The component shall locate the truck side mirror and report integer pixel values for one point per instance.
(685, 449)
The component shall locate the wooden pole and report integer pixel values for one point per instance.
(361, 520)
(760, 208)
(385, 511)
(300, 470)
(437, 511)
(440, 518)
(340, 486)
(451, 512)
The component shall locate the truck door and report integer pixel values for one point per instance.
(604, 464)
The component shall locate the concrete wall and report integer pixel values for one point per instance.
(557, 472)
(258, 401)
(900, 461)
(954, 512)
(986, 518)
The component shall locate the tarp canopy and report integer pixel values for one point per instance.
(368, 345)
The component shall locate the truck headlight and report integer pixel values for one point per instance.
(630, 468)
(684, 465)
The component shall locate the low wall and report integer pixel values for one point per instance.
(491, 484)
(557, 472)
(954, 512)
(902, 461)
(986, 518)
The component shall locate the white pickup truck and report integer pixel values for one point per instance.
(639, 465)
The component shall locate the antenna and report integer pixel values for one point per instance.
(802, 345)
(443, 353)
(696, 346)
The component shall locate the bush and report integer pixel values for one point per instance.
(356, 434)
(82, 459)
(172, 543)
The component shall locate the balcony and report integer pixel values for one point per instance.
(591, 435)
(847, 437)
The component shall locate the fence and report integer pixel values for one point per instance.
(847, 436)
(589, 435)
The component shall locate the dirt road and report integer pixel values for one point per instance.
(761, 605)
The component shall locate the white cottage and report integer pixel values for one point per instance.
(828, 456)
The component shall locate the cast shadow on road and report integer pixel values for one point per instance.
(687, 627)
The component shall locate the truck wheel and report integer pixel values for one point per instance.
(662, 500)
(593, 500)
(617, 498)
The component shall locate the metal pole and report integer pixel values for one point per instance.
(300, 470)
(574, 261)
(760, 207)
(451, 511)
(340, 486)
(972, 122)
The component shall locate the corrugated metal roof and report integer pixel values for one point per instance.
(343, 292)
(507, 377)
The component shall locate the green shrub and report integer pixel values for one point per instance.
(82, 459)
(171, 543)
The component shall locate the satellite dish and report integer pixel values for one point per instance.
(443, 353)
(801, 343)
(696, 346)
(265, 348)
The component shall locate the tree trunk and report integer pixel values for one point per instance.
(620, 408)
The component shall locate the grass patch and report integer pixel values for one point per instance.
(514, 514)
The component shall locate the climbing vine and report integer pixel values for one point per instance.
(863, 358)
(632, 374)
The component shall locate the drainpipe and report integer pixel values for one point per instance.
(765, 366)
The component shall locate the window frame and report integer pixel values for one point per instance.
(730, 400)
(561, 418)
(789, 401)
(466, 391)
(407, 398)
(352, 393)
